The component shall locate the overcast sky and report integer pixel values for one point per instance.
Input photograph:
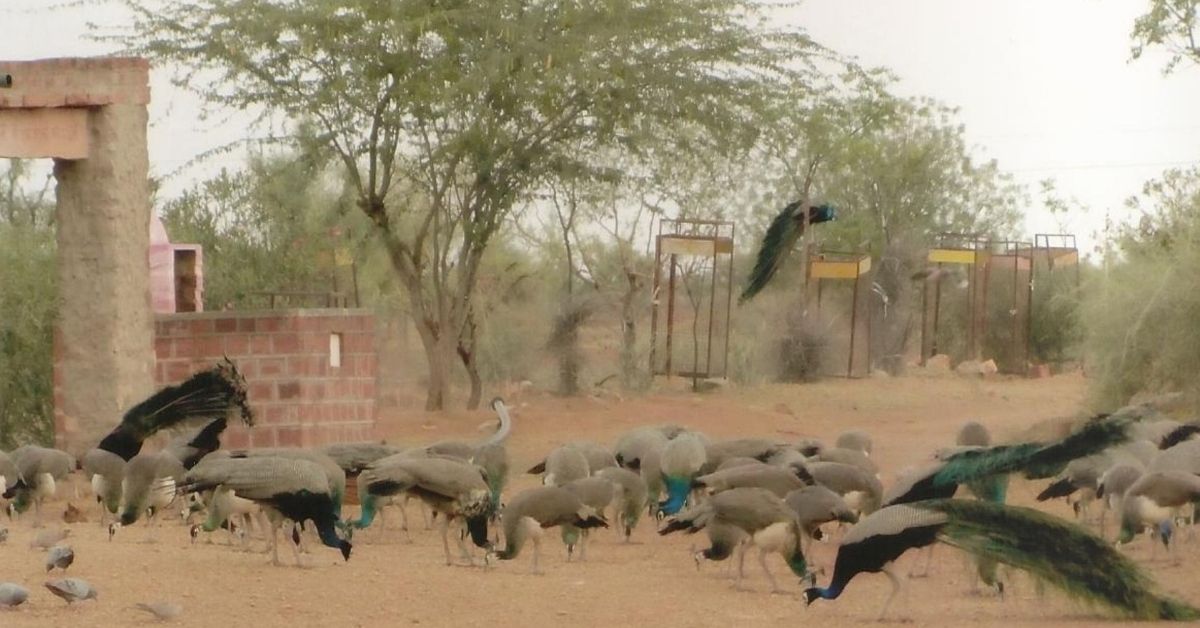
(1047, 88)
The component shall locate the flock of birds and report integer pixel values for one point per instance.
(742, 493)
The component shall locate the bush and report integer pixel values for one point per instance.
(28, 309)
(1142, 308)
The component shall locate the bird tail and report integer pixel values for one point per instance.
(1178, 435)
(537, 469)
(1059, 488)
(1035, 460)
(590, 521)
(205, 395)
(777, 243)
(675, 525)
(1057, 552)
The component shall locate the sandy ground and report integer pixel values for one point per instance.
(651, 582)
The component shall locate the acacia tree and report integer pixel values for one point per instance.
(1171, 24)
(446, 114)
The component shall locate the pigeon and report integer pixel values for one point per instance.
(112, 530)
(49, 538)
(163, 611)
(3, 534)
(12, 594)
(60, 556)
(72, 589)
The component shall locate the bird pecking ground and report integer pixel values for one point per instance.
(390, 581)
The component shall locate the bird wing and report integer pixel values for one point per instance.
(259, 478)
(814, 505)
(1167, 488)
(33, 461)
(595, 492)
(777, 243)
(750, 509)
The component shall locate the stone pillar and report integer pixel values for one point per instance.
(105, 340)
(89, 114)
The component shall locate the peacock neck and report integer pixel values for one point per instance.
(368, 512)
(677, 492)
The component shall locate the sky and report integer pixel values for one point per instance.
(1045, 87)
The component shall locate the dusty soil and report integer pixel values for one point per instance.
(652, 582)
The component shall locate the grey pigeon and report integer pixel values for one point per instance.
(49, 538)
(72, 589)
(12, 594)
(60, 556)
(3, 534)
(163, 611)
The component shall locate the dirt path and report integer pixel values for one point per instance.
(652, 582)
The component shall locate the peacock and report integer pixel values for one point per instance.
(781, 237)
(743, 516)
(681, 461)
(534, 510)
(211, 394)
(1034, 459)
(287, 488)
(1053, 550)
(39, 468)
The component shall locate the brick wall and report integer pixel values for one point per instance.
(298, 397)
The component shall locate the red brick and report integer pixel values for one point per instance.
(298, 366)
(175, 328)
(200, 326)
(178, 370)
(289, 390)
(261, 392)
(225, 325)
(288, 437)
(247, 325)
(314, 342)
(237, 345)
(314, 390)
(285, 343)
(235, 440)
(248, 367)
(273, 414)
(210, 347)
(260, 344)
(162, 348)
(185, 347)
(310, 323)
(271, 367)
(269, 324)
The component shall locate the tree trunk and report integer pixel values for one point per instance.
(466, 353)
(630, 376)
(438, 358)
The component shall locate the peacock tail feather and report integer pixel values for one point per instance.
(1055, 551)
(777, 243)
(1035, 460)
(208, 394)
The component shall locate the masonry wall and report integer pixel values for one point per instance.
(298, 396)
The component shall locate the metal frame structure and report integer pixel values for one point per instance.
(691, 238)
(981, 256)
(836, 265)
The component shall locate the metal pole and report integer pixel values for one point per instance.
(670, 312)
(728, 303)
(937, 308)
(654, 296)
(712, 304)
(853, 327)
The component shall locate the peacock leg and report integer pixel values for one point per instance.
(741, 567)
(446, 540)
(537, 553)
(891, 574)
(275, 544)
(928, 560)
(463, 549)
(583, 543)
(762, 560)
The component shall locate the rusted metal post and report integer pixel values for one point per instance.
(670, 312)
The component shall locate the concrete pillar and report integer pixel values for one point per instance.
(89, 114)
(105, 340)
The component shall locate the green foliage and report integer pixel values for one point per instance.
(447, 115)
(1141, 308)
(1170, 24)
(267, 228)
(28, 309)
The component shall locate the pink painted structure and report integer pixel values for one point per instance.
(176, 273)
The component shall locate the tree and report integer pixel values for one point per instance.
(265, 228)
(1171, 24)
(28, 308)
(445, 115)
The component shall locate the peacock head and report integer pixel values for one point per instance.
(1126, 533)
(811, 594)
(345, 547)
